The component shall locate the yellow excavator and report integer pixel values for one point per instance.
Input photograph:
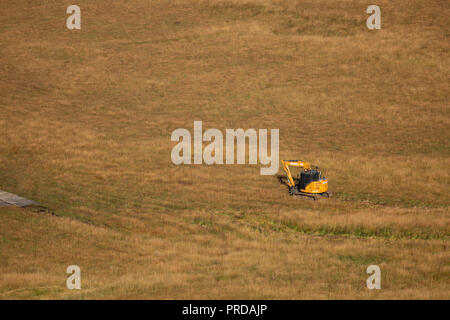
(311, 183)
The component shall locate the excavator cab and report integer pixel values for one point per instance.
(310, 183)
(306, 177)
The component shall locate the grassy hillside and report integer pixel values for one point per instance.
(85, 126)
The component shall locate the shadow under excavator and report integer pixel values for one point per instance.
(284, 180)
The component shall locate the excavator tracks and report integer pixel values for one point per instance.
(310, 196)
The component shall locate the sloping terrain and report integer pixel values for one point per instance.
(86, 118)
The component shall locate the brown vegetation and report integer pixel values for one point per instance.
(85, 124)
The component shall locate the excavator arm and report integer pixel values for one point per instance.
(295, 163)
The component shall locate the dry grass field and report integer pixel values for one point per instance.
(85, 123)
